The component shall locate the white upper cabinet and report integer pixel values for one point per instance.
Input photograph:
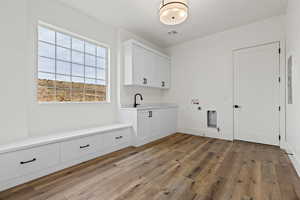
(163, 76)
(145, 66)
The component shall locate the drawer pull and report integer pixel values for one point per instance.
(83, 147)
(120, 137)
(26, 162)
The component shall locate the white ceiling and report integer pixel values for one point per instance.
(206, 16)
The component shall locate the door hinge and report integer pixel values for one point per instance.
(279, 108)
(279, 50)
(279, 79)
(279, 137)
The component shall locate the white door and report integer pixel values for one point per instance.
(256, 94)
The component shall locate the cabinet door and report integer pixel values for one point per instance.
(150, 72)
(155, 123)
(163, 68)
(140, 60)
(143, 124)
(173, 120)
(169, 121)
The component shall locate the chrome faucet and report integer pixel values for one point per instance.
(135, 96)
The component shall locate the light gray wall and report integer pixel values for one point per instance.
(203, 69)
(13, 67)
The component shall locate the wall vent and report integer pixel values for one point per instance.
(212, 118)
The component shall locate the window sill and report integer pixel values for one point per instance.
(83, 102)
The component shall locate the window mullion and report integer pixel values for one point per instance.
(84, 65)
(71, 72)
(55, 76)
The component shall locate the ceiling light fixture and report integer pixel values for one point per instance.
(173, 12)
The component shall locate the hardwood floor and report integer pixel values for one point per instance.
(179, 167)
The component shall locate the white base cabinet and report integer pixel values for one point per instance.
(27, 160)
(150, 124)
(19, 163)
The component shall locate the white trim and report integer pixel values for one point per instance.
(293, 157)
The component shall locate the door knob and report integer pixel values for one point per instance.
(237, 106)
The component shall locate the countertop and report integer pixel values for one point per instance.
(149, 106)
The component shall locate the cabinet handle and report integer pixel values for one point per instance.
(150, 114)
(120, 137)
(26, 162)
(86, 146)
(163, 83)
(145, 81)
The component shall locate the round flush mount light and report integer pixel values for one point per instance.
(173, 12)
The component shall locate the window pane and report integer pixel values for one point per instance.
(63, 68)
(90, 72)
(78, 44)
(46, 94)
(100, 82)
(46, 50)
(77, 80)
(63, 84)
(90, 81)
(90, 60)
(101, 63)
(63, 95)
(46, 65)
(63, 40)
(101, 74)
(90, 48)
(46, 83)
(77, 70)
(77, 57)
(63, 78)
(77, 95)
(101, 52)
(46, 35)
(63, 54)
(46, 76)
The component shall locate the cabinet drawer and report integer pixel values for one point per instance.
(27, 161)
(117, 137)
(78, 147)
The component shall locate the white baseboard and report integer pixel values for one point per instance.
(143, 141)
(209, 132)
(292, 155)
(190, 131)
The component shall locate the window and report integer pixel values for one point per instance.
(70, 69)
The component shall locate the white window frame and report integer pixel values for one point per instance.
(78, 36)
